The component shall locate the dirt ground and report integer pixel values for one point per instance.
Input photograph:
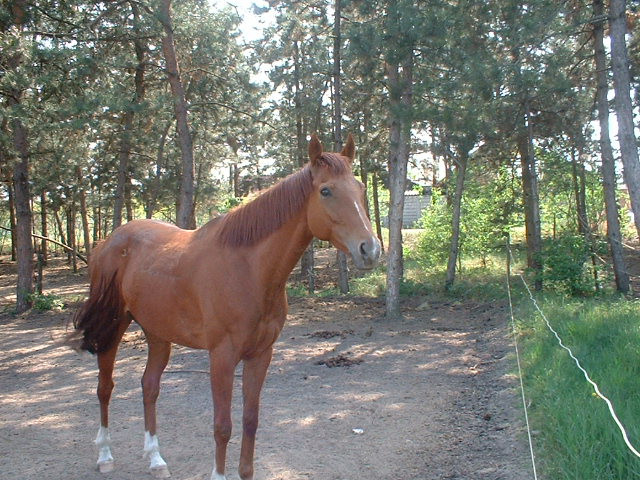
(349, 395)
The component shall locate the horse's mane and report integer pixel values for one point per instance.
(247, 224)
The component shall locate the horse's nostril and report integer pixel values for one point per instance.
(363, 249)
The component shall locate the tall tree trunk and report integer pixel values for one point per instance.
(12, 219)
(579, 191)
(71, 234)
(186, 207)
(155, 181)
(531, 200)
(608, 163)
(84, 214)
(343, 271)
(400, 78)
(461, 169)
(624, 108)
(124, 152)
(376, 208)
(61, 234)
(123, 185)
(22, 196)
(24, 245)
(44, 249)
(307, 261)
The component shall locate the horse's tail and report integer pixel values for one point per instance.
(97, 321)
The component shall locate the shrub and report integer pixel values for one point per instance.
(46, 302)
(567, 266)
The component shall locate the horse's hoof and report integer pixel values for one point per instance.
(160, 472)
(106, 467)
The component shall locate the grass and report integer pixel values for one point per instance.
(578, 439)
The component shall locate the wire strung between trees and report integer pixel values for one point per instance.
(515, 342)
(578, 364)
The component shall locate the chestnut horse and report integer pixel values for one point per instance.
(220, 288)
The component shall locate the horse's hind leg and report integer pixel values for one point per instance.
(106, 361)
(158, 357)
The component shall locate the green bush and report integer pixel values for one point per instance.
(46, 302)
(567, 265)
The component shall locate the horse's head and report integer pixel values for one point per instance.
(336, 210)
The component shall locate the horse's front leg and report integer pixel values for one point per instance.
(223, 362)
(254, 373)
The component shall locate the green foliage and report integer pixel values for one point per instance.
(578, 438)
(46, 302)
(487, 213)
(567, 264)
(432, 247)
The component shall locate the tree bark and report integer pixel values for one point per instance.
(608, 163)
(123, 186)
(84, 214)
(376, 208)
(400, 80)
(624, 108)
(12, 219)
(22, 196)
(186, 207)
(343, 271)
(71, 234)
(531, 200)
(44, 249)
(24, 245)
(461, 169)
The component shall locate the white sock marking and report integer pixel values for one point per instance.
(103, 441)
(152, 451)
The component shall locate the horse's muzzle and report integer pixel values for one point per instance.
(366, 254)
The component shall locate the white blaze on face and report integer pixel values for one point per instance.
(363, 218)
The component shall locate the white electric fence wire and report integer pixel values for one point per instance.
(579, 365)
(524, 399)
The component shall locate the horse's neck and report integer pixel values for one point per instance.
(280, 251)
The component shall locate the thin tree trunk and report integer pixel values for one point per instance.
(71, 233)
(22, 196)
(343, 271)
(61, 234)
(624, 108)
(307, 261)
(400, 89)
(12, 219)
(186, 207)
(455, 221)
(376, 208)
(44, 249)
(531, 200)
(579, 193)
(155, 182)
(608, 163)
(579, 189)
(84, 214)
(24, 245)
(124, 152)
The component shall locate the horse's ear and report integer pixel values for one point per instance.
(349, 149)
(315, 148)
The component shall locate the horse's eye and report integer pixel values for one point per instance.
(325, 192)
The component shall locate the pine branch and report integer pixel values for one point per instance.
(66, 247)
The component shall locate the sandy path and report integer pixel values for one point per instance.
(432, 397)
